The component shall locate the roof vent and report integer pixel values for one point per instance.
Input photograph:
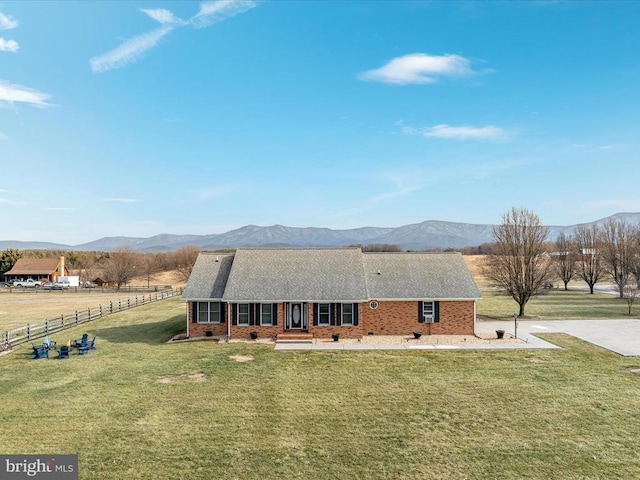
(217, 258)
(378, 272)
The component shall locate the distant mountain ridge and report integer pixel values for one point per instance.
(427, 235)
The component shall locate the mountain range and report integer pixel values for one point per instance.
(431, 234)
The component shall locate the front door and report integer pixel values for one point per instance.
(296, 316)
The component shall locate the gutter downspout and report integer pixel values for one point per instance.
(475, 317)
(228, 322)
(188, 322)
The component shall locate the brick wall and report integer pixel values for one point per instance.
(390, 318)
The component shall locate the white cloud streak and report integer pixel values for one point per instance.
(120, 200)
(8, 45)
(465, 132)
(419, 68)
(130, 51)
(134, 49)
(217, 11)
(11, 93)
(7, 22)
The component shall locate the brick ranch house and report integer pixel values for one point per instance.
(324, 291)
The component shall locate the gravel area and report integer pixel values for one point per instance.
(480, 339)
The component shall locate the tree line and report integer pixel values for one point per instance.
(118, 267)
(522, 261)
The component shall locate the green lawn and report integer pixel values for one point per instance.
(557, 305)
(572, 413)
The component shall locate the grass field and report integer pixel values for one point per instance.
(557, 305)
(139, 408)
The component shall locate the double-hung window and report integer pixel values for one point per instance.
(209, 312)
(266, 314)
(243, 314)
(347, 314)
(428, 312)
(324, 314)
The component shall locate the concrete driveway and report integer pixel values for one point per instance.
(619, 336)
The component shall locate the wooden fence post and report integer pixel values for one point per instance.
(28, 332)
(76, 317)
(100, 309)
(46, 326)
(89, 312)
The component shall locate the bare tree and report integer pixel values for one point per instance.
(150, 266)
(184, 258)
(587, 238)
(519, 264)
(630, 294)
(121, 266)
(564, 259)
(617, 240)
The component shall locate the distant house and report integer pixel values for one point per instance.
(44, 269)
(321, 292)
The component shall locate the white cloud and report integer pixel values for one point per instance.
(128, 52)
(120, 200)
(163, 16)
(218, 10)
(3, 137)
(587, 148)
(419, 68)
(7, 22)
(465, 132)
(133, 49)
(11, 93)
(8, 45)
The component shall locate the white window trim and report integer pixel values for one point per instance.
(328, 321)
(262, 322)
(248, 314)
(209, 321)
(342, 315)
(431, 317)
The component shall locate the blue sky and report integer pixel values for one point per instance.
(140, 118)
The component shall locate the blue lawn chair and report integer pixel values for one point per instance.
(63, 352)
(39, 351)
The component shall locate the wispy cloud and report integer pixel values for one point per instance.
(120, 200)
(3, 137)
(419, 68)
(134, 49)
(7, 22)
(8, 45)
(588, 148)
(11, 93)
(465, 132)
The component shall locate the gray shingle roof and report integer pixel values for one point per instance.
(208, 278)
(306, 274)
(416, 276)
(326, 275)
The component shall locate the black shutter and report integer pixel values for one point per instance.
(355, 314)
(338, 314)
(316, 314)
(222, 312)
(421, 312)
(234, 314)
(252, 316)
(332, 314)
(436, 312)
(274, 313)
(194, 312)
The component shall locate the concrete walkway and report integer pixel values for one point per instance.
(619, 336)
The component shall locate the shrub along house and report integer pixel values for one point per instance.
(321, 292)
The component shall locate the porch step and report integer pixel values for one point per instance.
(294, 338)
